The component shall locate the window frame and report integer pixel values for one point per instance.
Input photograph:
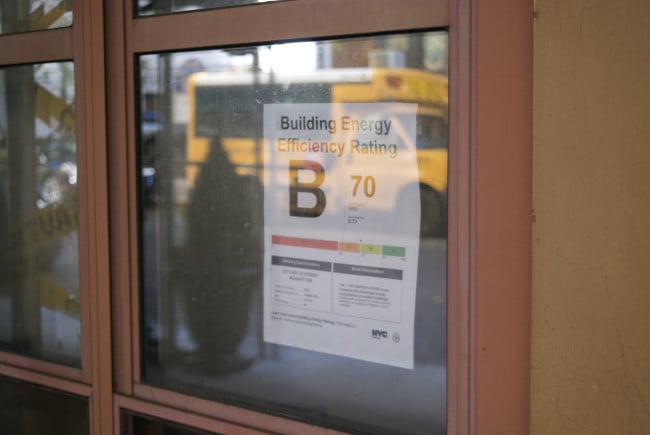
(218, 27)
(81, 43)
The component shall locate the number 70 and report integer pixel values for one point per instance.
(369, 185)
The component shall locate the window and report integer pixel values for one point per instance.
(204, 286)
(227, 314)
(22, 16)
(39, 281)
(52, 216)
(154, 7)
(139, 425)
(29, 409)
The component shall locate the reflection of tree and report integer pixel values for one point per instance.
(222, 264)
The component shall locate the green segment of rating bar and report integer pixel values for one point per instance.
(394, 251)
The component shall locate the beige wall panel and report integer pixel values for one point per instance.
(591, 279)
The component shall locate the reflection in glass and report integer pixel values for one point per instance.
(202, 201)
(154, 7)
(24, 16)
(39, 261)
(27, 409)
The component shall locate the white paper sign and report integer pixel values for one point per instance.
(342, 222)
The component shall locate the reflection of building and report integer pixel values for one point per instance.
(405, 52)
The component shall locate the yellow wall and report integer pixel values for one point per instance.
(591, 246)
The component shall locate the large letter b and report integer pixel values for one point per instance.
(295, 187)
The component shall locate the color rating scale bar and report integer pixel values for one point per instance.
(331, 245)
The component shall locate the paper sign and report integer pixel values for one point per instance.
(342, 222)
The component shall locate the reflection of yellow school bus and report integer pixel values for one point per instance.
(229, 105)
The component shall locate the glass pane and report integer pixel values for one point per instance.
(293, 228)
(139, 425)
(27, 409)
(25, 16)
(155, 7)
(39, 261)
